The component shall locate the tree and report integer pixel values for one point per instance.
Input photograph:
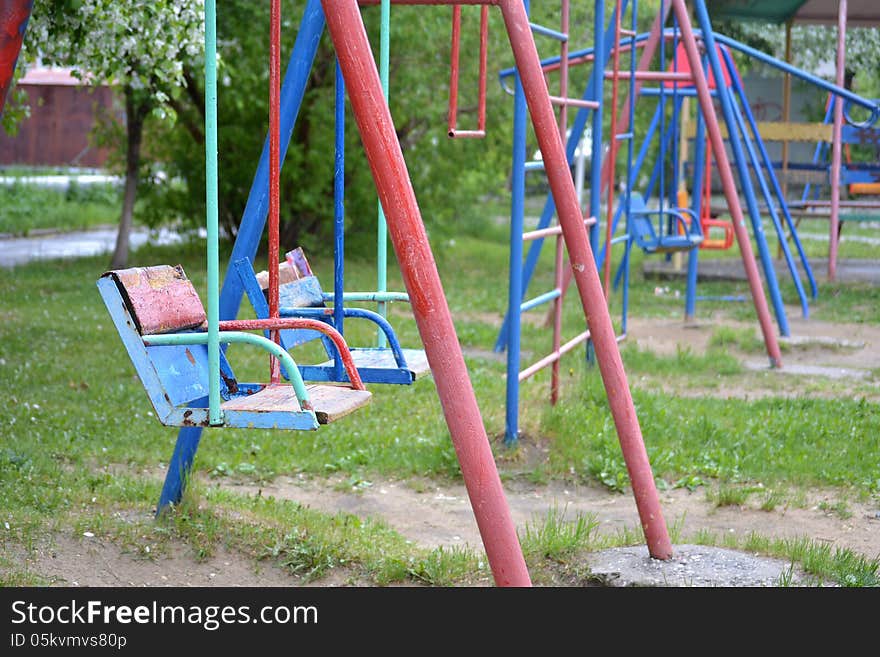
(449, 176)
(138, 47)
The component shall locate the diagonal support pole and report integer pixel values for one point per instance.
(586, 277)
(713, 132)
(422, 281)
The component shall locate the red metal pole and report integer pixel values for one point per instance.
(586, 277)
(730, 192)
(428, 301)
(484, 67)
(836, 139)
(274, 324)
(453, 70)
(274, 172)
(14, 15)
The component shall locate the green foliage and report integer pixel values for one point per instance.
(28, 208)
(140, 46)
(556, 538)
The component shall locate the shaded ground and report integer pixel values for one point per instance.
(732, 269)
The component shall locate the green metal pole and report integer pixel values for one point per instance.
(382, 236)
(215, 415)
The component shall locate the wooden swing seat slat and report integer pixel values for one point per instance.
(330, 402)
(383, 359)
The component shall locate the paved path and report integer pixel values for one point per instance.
(20, 250)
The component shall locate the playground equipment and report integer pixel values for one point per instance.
(860, 178)
(418, 269)
(300, 295)
(817, 12)
(676, 228)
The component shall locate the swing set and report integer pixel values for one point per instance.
(177, 346)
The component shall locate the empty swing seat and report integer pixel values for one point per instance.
(300, 295)
(644, 234)
(161, 300)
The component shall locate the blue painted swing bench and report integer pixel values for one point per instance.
(683, 233)
(300, 296)
(162, 323)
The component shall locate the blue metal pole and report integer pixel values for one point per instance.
(690, 301)
(339, 216)
(842, 92)
(252, 225)
(596, 155)
(659, 163)
(598, 80)
(660, 166)
(630, 152)
(768, 199)
(748, 191)
(771, 174)
(515, 288)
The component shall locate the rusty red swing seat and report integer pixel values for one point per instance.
(162, 322)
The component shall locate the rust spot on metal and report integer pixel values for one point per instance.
(190, 357)
(231, 383)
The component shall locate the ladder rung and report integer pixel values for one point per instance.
(555, 293)
(552, 230)
(554, 356)
(629, 33)
(655, 76)
(574, 102)
(623, 136)
(546, 31)
(466, 134)
(534, 166)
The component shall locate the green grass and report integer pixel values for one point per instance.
(28, 208)
(78, 441)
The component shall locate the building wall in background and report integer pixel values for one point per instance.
(63, 113)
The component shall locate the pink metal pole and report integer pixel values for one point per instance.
(455, 49)
(836, 138)
(484, 68)
(714, 133)
(586, 277)
(274, 174)
(453, 70)
(428, 301)
(559, 259)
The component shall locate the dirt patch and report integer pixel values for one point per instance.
(821, 359)
(91, 560)
(434, 515)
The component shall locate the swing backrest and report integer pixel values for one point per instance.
(145, 301)
(298, 288)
